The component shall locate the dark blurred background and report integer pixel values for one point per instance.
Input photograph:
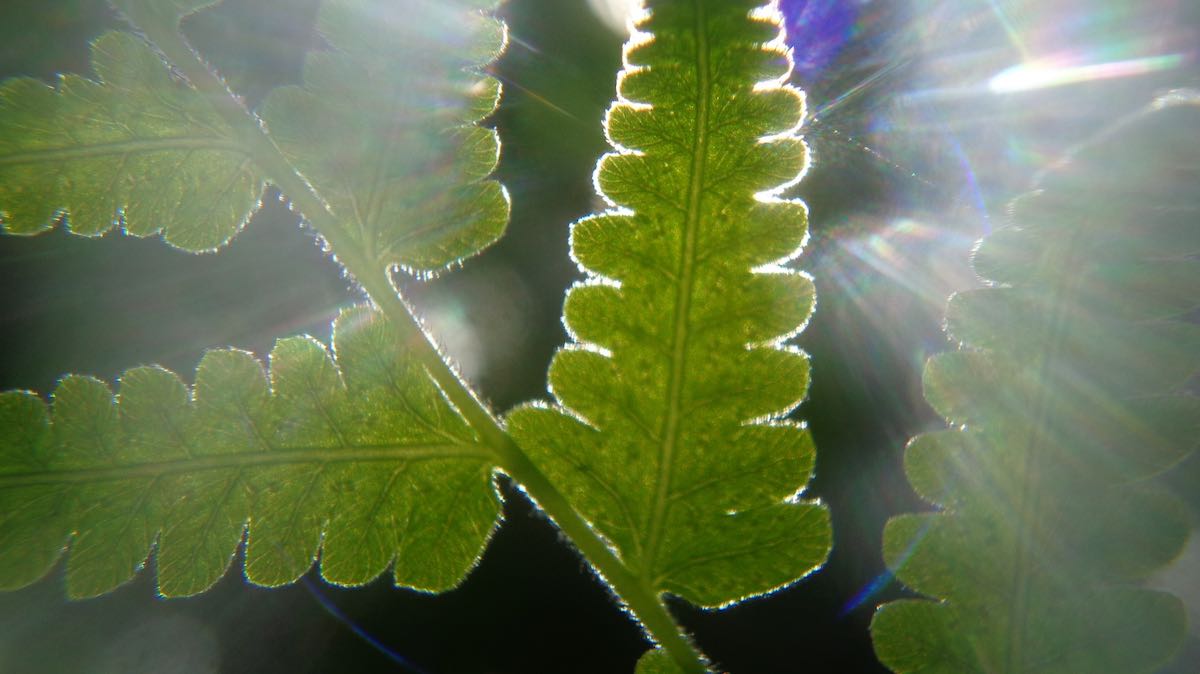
(922, 128)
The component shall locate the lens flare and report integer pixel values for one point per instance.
(822, 29)
(615, 13)
(1045, 73)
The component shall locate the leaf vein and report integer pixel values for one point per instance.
(683, 297)
(361, 453)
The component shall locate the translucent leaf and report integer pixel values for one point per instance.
(385, 127)
(1072, 393)
(138, 148)
(1006, 320)
(921, 638)
(669, 432)
(361, 460)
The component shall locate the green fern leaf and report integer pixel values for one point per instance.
(1071, 396)
(362, 459)
(669, 436)
(136, 148)
(385, 127)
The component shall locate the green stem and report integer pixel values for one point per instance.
(372, 275)
(641, 600)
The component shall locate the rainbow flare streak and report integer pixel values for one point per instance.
(1045, 73)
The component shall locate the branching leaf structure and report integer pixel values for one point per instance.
(1071, 394)
(668, 453)
(395, 148)
(362, 458)
(668, 458)
(669, 432)
(143, 149)
(353, 454)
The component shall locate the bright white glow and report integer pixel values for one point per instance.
(615, 13)
(1046, 73)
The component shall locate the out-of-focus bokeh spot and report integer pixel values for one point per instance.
(615, 13)
(194, 649)
(479, 338)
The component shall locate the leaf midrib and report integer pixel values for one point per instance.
(1053, 331)
(121, 147)
(319, 455)
(683, 295)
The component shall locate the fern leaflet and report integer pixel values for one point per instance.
(385, 126)
(669, 435)
(1071, 395)
(363, 458)
(136, 148)
(358, 463)
(671, 438)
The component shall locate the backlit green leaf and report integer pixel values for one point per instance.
(138, 148)
(1072, 395)
(385, 127)
(361, 459)
(669, 433)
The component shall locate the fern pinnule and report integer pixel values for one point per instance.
(362, 458)
(1070, 395)
(669, 427)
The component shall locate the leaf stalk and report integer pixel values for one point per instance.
(373, 276)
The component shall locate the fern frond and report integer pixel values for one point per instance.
(385, 128)
(669, 433)
(362, 459)
(1071, 394)
(137, 148)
